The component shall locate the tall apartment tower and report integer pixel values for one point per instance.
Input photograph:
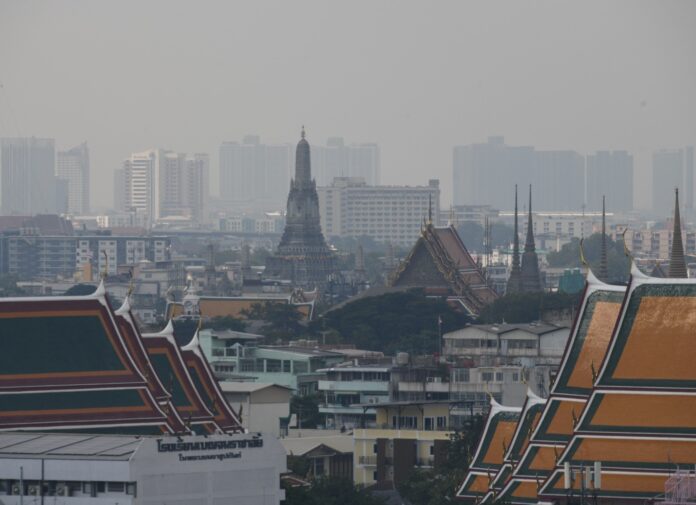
(141, 191)
(27, 176)
(337, 159)
(610, 174)
(197, 186)
(672, 168)
(479, 169)
(72, 166)
(253, 173)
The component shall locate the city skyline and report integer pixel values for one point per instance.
(417, 103)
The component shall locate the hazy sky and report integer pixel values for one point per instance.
(416, 77)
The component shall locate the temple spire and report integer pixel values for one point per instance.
(513, 284)
(603, 271)
(530, 278)
(677, 263)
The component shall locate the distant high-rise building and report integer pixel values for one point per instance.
(672, 168)
(339, 160)
(164, 184)
(386, 214)
(480, 169)
(140, 173)
(610, 173)
(73, 166)
(27, 176)
(197, 186)
(120, 189)
(253, 173)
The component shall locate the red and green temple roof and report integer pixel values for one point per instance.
(208, 388)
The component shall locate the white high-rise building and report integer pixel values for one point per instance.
(339, 160)
(73, 166)
(164, 184)
(140, 173)
(387, 214)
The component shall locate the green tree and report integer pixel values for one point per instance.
(282, 320)
(225, 323)
(307, 410)
(525, 307)
(403, 321)
(330, 491)
(569, 256)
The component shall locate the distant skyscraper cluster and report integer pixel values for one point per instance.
(557, 176)
(36, 181)
(163, 184)
(257, 175)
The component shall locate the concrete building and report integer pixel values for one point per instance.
(261, 407)
(329, 452)
(610, 174)
(672, 168)
(407, 435)
(459, 214)
(72, 166)
(27, 176)
(73, 469)
(345, 388)
(336, 159)
(351, 208)
(480, 169)
(255, 175)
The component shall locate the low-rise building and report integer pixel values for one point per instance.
(407, 435)
(261, 407)
(346, 388)
(328, 453)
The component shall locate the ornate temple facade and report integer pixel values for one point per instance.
(441, 264)
(302, 256)
(620, 420)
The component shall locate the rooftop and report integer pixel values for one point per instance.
(499, 329)
(248, 387)
(63, 446)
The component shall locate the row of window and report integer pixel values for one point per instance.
(62, 488)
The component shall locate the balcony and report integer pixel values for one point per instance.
(354, 386)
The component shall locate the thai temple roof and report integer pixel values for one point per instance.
(625, 396)
(440, 260)
(72, 363)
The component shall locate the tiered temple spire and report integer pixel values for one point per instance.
(677, 263)
(603, 271)
(514, 281)
(530, 280)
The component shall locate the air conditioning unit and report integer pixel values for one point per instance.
(15, 489)
(34, 490)
(62, 489)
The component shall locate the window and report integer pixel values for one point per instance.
(374, 476)
(487, 376)
(115, 487)
(273, 365)
(499, 376)
(428, 424)
(460, 375)
(299, 367)
(515, 377)
(286, 365)
(441, 422)
(432, 450)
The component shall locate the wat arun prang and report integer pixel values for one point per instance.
(303, 256)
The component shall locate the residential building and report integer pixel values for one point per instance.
(347, 388)
(336, 159)
(407, 435)
(263, 408)
(672, 168)
(289, 366)
(457, 215)
(73, 166)
(527, 344)
(254, 174)
(120, 189)
(480, 169)
(387, 214)
(328, 452)
(610, 174)
(27, 176)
